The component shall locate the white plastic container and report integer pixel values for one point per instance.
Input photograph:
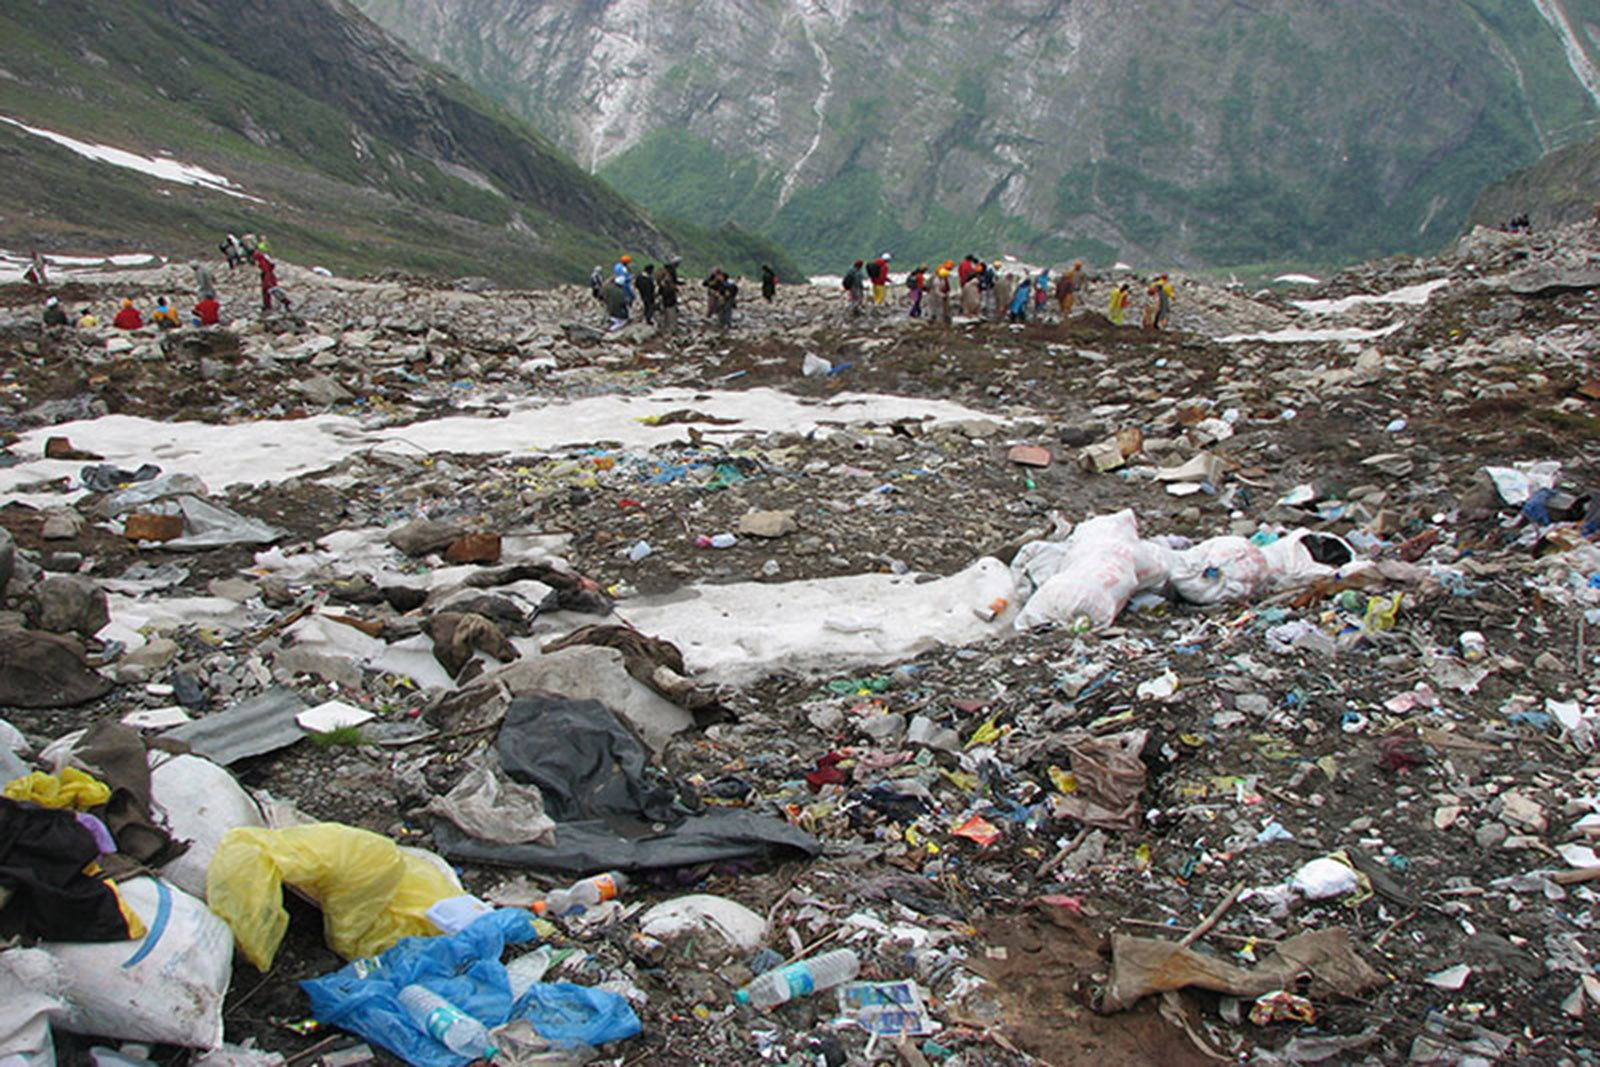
(454, 914)
(800, 979)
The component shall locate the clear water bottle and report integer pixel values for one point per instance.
(586, 893)
(446, 1023)
(800, 979)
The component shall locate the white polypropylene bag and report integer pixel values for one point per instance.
(30, 988)
(200, 802)
(1220, 569)
(1099, 568)
(165, 988)
(1290, 562)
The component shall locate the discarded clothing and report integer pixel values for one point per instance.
(43, 854)
(656, 663)
(105, 478)
(608, 815)
(71, 790)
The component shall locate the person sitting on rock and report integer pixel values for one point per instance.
(165, 316)
(88, 320)
(53, 314)
(128, 318)
(208, 312)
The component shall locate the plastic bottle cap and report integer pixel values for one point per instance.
(742, 996)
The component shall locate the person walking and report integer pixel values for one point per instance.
(916, 282)
(1152, 300)
(667, 293)
(769, 283)
(854, 287)
(1017, 307)
(879, 273)
(647, 293)
(987, 277)
(1067, 287)
(1163, 302)
(1001, 290)
(1118, 308)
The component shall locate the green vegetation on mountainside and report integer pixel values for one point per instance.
(359, 171)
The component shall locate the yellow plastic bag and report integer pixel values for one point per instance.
(71, 789)
(371, 892)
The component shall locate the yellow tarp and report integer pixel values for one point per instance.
(371, 892)
(71, 789)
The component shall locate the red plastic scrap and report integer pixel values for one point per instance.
(827, 772)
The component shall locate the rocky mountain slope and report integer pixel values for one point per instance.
(1562, 187)
(1197, 132)
(336, 143)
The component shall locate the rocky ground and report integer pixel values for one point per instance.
(1458, 785)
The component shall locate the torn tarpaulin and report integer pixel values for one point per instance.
(591, 771)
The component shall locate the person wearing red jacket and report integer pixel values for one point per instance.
(128, 318)
(878, 273)
(208, 312)
(967, 268)
(269, 281)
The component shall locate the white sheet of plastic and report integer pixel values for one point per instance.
(731, 633)
(30, 990)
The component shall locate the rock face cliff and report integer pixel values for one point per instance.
(1193, 131)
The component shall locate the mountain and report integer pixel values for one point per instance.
(1193, 132)
(1562, 187)
(336, 143)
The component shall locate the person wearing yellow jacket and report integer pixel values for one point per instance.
(1119, 304)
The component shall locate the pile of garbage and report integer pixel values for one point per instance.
(433, 676)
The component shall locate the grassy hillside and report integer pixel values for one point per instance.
(365, 159)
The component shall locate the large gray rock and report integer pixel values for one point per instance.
(70, 604)
(425, 535)
(45, 671)
(8, 558)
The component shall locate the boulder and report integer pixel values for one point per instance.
(39, 670)
(425, 535)
(8, 558)
(71, 604)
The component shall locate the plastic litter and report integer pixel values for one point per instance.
(800, 979)
(445, 1023)
(701, 913)
(371, 892)
(200, 803)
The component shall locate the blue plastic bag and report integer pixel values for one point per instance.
(463, 968)
(567, 1014)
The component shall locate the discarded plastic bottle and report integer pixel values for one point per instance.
(585, 893)
(446, 1023)
(800, 979)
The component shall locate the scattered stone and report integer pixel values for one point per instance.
(71, 604)
(767, 523)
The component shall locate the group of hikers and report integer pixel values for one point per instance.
(988, 290)
(164, 315)
(207, 311)
(658, 291)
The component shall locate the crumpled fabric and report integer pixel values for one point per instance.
(44, 855)
(71, 789)
(372, 893)
(1110, 777)
(1142, 965)
(612, 811)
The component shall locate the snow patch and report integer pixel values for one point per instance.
(1409, 296)
(1298, 336)
(269, 451)
(167, 170)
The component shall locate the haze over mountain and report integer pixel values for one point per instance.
(326, 133)
(1193, 132)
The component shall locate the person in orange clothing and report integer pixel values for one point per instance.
(1067, 287)
(128, 318)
